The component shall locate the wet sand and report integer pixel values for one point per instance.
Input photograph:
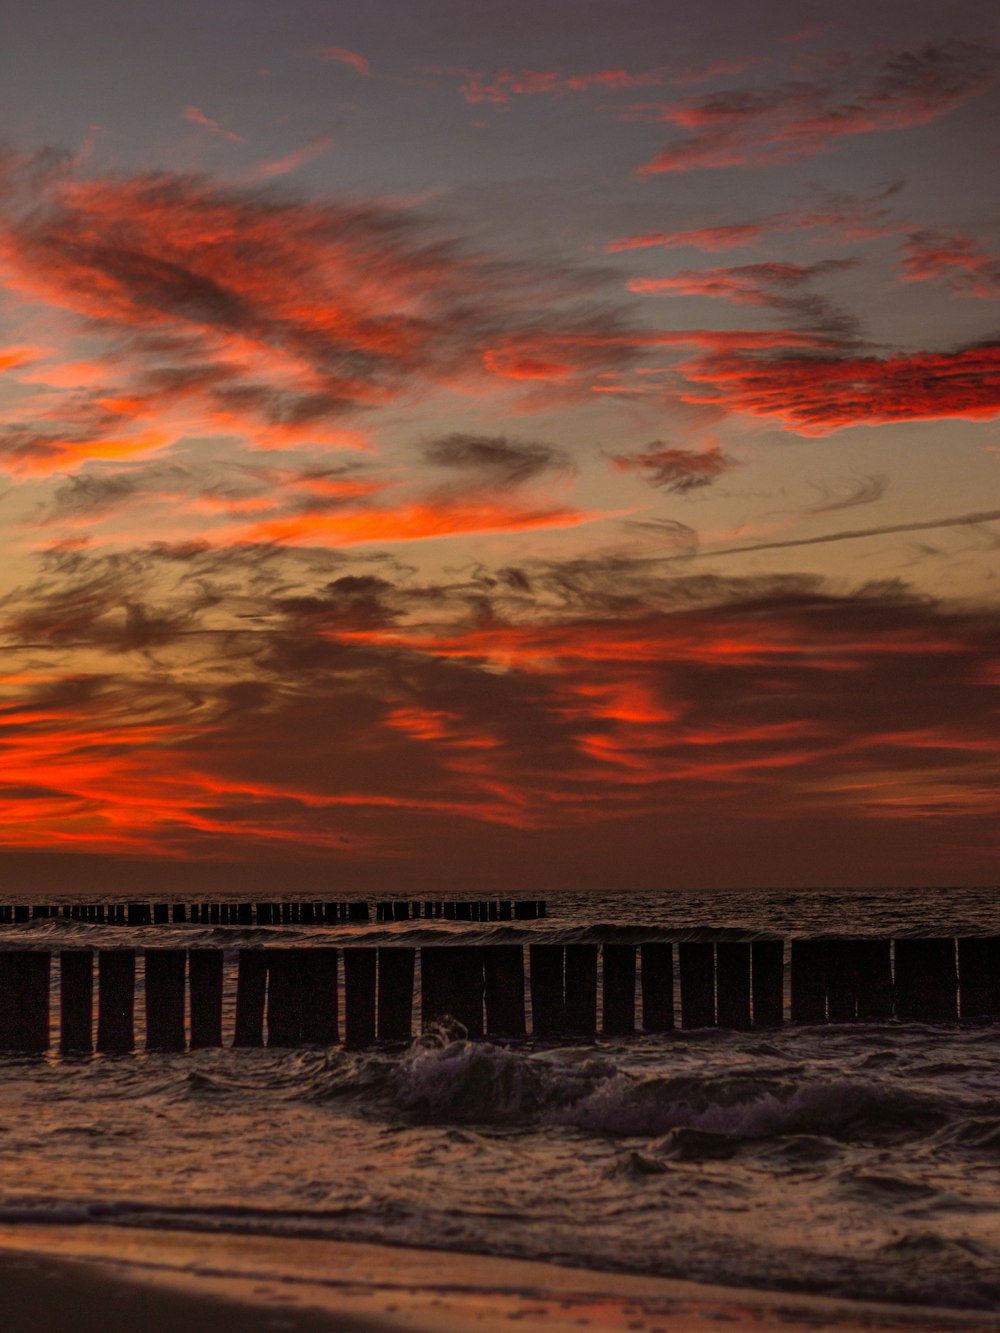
(95, 1279)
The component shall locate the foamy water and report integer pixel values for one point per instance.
(860, 1160)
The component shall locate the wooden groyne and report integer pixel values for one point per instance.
(287, 913)
(205, 997)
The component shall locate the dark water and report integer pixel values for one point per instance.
(859, 1160)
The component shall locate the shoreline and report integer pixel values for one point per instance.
(81, 1276)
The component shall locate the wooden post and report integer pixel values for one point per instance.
(251, 991)
(767, 979)
(205, 983)
(657, 986)
(926, 980)
(359, 996)
(76, 1001)
(179, 914)
(452, 985)
(581, 989)
(165, 999)
(809, 971)
(395, 994)
(843, 981)
(873, 968)
(619, 989)
(732, 979)
(24, 1000)
(504, 974)
(320, 1017)
(696, 964)
(448, 911)
(358, 912)
(548, 1004)
(161, 914)
(979, 977)
(504, 912)
(400, 911)
(116, 1001)
(284, 997)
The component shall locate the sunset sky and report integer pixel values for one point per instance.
(499, 444)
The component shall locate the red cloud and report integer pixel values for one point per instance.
(752, 127)
(199, 118)
(228, 312)
(953, 258)
(746, 284)
(345, 57)
(500, 86)
(818, 393)
(728, 237)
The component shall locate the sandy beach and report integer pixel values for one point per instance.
(90, 1279)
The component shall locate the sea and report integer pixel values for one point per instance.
(847, 1160)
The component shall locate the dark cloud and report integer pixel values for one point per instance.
(678, 471)
(499, 460)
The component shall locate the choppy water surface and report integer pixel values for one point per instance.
(858, 1160)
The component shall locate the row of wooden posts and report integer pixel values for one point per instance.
(269, 914)
(293, 997)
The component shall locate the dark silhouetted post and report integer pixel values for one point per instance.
(76, 1001)
(581, 989)
(320, 1017)
(165, 999)
(657, 987)
(179, 914)
(251, 991)
(24, 1000)
(359, 996)
(395, 994)
(205, 983)
(696, 964)
(548, 1006)
(358, 912)
(842, 981)
(873, 971)
(619, 989)
(161, 914)
(767, 982)
(926, 980)
(452, 985)
(979, 977)
(809, 969)
(116, 1001)
(504, 912)
(284, 997)
(732, 979)
(504, 973)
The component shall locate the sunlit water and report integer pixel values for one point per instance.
(860, 1160)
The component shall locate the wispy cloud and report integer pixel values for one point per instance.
(197, 117)
(341, 55)
(758, 126)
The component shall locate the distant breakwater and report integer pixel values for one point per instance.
(290, 912)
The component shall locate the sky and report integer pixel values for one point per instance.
(499, 445)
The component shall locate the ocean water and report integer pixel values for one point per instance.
(855, 1160)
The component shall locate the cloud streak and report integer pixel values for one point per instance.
(754, 127)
